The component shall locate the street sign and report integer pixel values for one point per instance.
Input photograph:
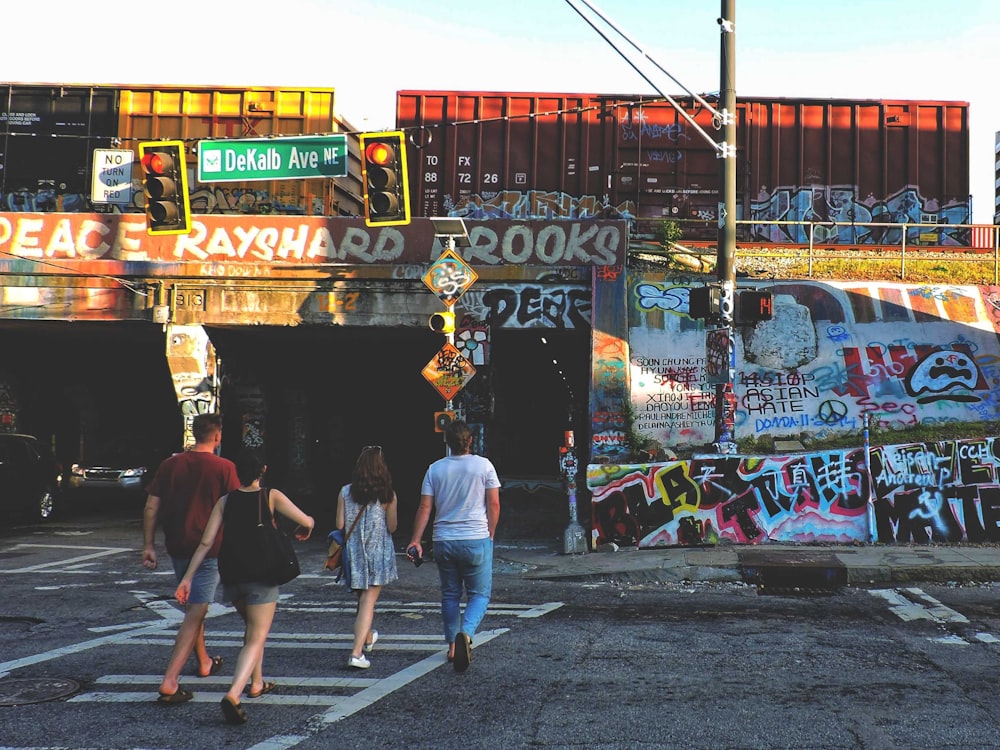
(449, 277)
(112, 176)
(272, 158)
(448, 372)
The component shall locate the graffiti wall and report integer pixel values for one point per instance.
(833, 355)
(191, 358)
(818, 497)
(937, 492)
(946, 491)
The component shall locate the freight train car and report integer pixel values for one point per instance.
(55, 172)
(545, 155)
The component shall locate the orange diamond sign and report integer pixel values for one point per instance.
(448, 372)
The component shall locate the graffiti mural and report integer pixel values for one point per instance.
(937, 492)
(818, 497)
(922, 493)
(226, 239)
(537, 204)
(191, 358)
(841, 203)
(833, 355)
(609, 377)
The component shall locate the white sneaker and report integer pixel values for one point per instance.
(370, 646)
(358, 662)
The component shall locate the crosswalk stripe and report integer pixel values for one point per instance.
(915, 604)
(208, 697)
(213, 642)
(223, 680)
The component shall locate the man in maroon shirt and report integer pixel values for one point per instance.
(181, 498)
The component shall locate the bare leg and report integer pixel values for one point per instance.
(184, 643)
(363, 620)
(201, 652)
(257, 676)
(258, 619)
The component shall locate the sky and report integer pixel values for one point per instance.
(367, 50)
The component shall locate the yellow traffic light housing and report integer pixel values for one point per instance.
(442, 322)
(165, 188)
(384, 179)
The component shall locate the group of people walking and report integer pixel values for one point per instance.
(208, 508)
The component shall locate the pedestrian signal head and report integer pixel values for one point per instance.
(442, 419)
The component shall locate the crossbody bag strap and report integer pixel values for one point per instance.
(356, 519)
(260, 506)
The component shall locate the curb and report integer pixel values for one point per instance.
(776, 567)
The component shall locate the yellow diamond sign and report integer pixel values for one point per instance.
(448, 372)
(449, 277)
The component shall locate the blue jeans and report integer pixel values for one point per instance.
(464, 563)
(205, 581)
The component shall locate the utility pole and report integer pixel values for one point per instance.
(720, 342)
(725, 398)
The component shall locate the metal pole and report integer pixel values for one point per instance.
(574, 537)
(726, 257)
(450, 338)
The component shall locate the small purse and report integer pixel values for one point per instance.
(280, 561)
(335, 552)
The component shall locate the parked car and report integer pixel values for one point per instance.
(123, 466)
(30, 477)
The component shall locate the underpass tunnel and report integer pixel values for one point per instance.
(315, 396)
(312, 396)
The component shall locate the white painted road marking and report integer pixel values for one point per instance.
(75, 562)
(918, 605)
(907, 609)
(167, 615)
(495, 608)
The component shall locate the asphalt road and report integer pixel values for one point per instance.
(558, 665)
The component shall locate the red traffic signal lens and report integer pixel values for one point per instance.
(382, 154)
(157, 162)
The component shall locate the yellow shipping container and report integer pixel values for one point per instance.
(192, 114)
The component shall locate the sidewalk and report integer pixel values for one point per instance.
(764, 565)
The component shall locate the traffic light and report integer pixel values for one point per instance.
(704, 301)
(384, 180)
(164, 186)
(442, 322)
(754, 306)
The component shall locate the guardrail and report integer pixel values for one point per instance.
(892, 241)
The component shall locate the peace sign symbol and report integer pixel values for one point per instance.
(831, 411)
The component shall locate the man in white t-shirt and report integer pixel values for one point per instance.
(464, 492)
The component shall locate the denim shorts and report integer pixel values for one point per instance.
(254, 593)
(205, 581)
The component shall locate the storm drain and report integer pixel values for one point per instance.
(20, 691)
(804, 572)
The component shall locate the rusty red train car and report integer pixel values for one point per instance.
(831, 167)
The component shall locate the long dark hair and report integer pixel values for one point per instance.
(371, 481)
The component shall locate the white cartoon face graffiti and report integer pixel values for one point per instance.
(944, 374)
